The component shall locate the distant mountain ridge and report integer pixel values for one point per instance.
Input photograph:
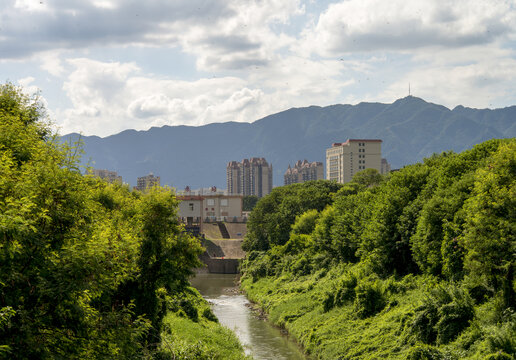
(410, 128)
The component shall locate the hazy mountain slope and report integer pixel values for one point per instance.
(410, 128)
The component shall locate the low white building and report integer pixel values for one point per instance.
(202, 205)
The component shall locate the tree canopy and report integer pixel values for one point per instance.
(446, 226)
(84, 265)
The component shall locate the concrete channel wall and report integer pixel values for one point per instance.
(222, 256)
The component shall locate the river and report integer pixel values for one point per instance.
(259, 338)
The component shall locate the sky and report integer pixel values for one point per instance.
(103, 66)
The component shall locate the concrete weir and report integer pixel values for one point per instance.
(223, 254)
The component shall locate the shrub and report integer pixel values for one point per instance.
(443, 316)
(499, 356)
(503, 339)
(209, 315)
(424, 352)
(346, 290)
(189, 309)
(301, 266)
(454, 317)
(328, 301)
(369, 299)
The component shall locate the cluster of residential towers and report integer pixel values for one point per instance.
(254, 176)
(343, 160)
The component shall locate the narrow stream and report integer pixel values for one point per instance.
(259, 337)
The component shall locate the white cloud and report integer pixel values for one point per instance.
(223, 35)
(375, 25)
(51, 63)
(468, 78)
(29, 87)
(242, 60)
(30, 5)
(109, 97)
(244, 39)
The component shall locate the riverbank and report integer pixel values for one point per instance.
(192, 331)
(346, 313)
(260, 339)
(414, 265)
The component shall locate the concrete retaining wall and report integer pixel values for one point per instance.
(222, 266)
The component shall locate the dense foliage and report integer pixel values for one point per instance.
(272, 217)
(87, 268)
(249, 202)
(418, 264)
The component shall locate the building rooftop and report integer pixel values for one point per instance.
(354, 140)
(300, 165)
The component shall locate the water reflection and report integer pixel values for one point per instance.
(260, 338)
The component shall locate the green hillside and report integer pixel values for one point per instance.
(416, 265)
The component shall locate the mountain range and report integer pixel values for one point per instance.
(411, 129)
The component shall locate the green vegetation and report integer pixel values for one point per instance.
(191, 331)
(249, 202)
(88, 270)
(415, 265)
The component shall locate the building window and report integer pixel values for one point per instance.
(210, 202)
(191, 206)
(223, 202)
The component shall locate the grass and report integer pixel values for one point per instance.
(184, 339)
(191, 331)
(297, 304)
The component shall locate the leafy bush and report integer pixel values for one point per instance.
(301, 266)
(190, 310)
(424, 352)
(305, 223)
(343, 293)
(209, 315)
(346, 290)
(443, 316)
(369, 299)
(499, 356)
(454, 317)
(503, 338)
(271, 220)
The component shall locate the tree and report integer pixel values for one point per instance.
(249, 202)
(368, 178)
(82, 262)
(490, 231)
(386, 237)
(272, 218)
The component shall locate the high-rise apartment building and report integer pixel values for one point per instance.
(303, 171)
(386, 167)
(146, 182)
(343, 160)
(109, 176)
(249, 177)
